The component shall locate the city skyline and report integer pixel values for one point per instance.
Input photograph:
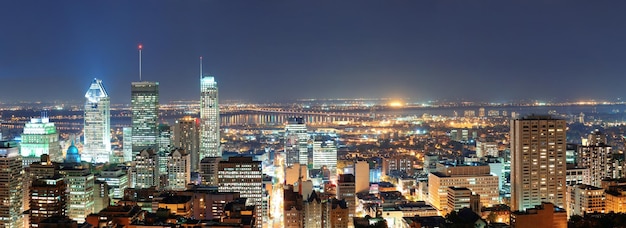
(340, 49)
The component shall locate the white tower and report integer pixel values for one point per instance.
(97, 138)
(209, 117)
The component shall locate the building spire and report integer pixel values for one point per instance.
(200, 66)
(140, 47)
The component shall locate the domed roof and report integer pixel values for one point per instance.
(72, 155)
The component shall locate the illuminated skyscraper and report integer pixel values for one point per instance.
(40, 137)
(210, 118)
(296, 142)
(538, 147)
(145, 115)
(97, 137)
(11, 192)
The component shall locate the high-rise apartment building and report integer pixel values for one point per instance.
(187, 137)
(296, 142)
(209, 169)
(40, 137)
(538, 167)
(97, 128)
(178, 170)
(48, 198)
(145, 115)
(596, 155)
(11, 192)
(209, 118)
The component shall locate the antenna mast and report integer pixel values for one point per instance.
(140, 47)
(200, 66)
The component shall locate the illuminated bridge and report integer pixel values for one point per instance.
(279, 116)
(292, 112)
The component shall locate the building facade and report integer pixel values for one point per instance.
(538, 145)
(147, 169)
(97, 124)
(296, 142)
(11, 192)
(178, 170)
(40, 137)
(145, 115)
(187, 136)
(209, 118)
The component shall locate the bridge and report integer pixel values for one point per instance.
(292, 112)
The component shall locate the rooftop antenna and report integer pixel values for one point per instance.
(140, 47)
(200, 67)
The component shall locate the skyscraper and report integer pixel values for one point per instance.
(40, 137)
(209, 118)
(187, 137)
(145, 115)
(296, 142)
(538, 147)
(97, 135)
(11, 192)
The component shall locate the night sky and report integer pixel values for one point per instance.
(274, 50)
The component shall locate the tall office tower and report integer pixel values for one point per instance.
(538, 168)
(11, 192)
(145, 115)
(178, 170)
(243, 175)
(209, 118)
(127, 143)
(48, 198)
(596, 155)
(296, 142)
(97, 135)
(325, 155)
(164, 145)
(187, 137)
(40, 137)
(346, 190)
(147, 169)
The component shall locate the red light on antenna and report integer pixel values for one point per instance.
(140, 46)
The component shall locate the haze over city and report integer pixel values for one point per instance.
(490, 51)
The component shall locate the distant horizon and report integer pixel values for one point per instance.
(262, 51)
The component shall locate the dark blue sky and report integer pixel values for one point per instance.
(274, 50)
